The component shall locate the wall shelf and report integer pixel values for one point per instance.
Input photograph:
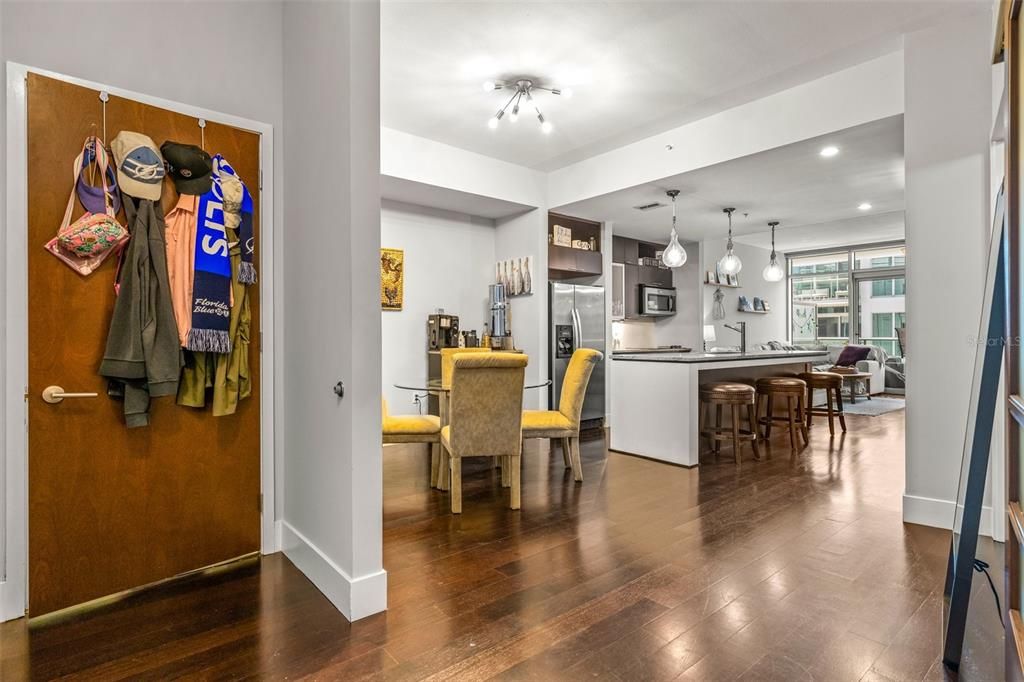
(754, 312)
(723, 286)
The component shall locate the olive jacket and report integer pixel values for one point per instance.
(143, 358)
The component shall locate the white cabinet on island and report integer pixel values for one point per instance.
(654, 396)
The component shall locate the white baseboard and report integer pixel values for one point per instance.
(11, 607)
(928, 511)
(355, 597)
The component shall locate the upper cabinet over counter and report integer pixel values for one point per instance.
(574, 247)
(635, 262)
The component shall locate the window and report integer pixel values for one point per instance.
(881, 325)
(889, 287)
(820, 296)
(886, 257)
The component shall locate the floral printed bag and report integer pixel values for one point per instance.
(84, 244)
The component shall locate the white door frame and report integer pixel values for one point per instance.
(14, 473)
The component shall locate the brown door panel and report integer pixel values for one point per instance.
(111, 508)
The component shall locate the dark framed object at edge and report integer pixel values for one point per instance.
(977, 444)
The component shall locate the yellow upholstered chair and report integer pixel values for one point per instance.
(486, 409)
(414, 428)
(564, 423)
(448, 360)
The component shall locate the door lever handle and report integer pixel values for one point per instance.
(56, 394)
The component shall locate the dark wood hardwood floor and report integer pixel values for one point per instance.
(794, 568)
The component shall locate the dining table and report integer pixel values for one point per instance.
(442, 391)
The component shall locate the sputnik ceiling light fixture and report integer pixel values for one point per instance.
(773, 272)
(523, 96)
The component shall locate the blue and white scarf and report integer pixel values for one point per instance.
(211, 283)
(246, 239)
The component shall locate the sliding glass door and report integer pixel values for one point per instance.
(853, 295)
(879, 298)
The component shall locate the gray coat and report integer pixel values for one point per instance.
(143, 358)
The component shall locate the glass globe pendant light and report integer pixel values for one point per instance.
(674, 255)
(773, 272)
(730, 263)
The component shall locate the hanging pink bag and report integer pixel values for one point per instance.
(84, 244)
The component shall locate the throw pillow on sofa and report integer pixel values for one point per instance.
(851, 355)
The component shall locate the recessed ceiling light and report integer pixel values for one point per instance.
(829, 151)
(864, 206)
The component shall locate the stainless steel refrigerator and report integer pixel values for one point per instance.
(576, 320)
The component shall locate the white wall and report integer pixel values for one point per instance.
(526, 235)
(332, 525)
(449, 262)
(685, 327)
(946, 141)
(760, 328)
(57, 36)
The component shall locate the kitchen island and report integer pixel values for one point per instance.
(654, 396)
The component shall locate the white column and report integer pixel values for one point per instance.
(332, 521)
(947, 124)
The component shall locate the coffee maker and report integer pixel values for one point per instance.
(442, 331)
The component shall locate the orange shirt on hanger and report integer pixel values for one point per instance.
(180, 237)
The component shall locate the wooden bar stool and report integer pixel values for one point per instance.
(794, 391)
(832, 384)
(737, 396)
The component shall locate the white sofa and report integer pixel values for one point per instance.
(874, 365)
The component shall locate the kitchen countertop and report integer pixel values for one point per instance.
(718, 357)
(656, 349)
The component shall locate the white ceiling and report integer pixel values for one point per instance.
(636, 68)
(793, 184)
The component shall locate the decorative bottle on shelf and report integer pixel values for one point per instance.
(486, 340)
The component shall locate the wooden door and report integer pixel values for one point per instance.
(110, 508)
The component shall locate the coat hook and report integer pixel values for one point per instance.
(104, 97)
(202, 133)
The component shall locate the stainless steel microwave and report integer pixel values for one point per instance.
(657, 300)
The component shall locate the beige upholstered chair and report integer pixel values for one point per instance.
(414, 428)
(564, 423)
(486, 409)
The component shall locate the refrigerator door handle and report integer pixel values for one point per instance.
(577, 329)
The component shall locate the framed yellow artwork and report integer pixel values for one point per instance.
(392, 278)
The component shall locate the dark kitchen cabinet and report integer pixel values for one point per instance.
(659, 277)
(624, 250)
(561, 258)
(564, 262)
(631, 291)
(628, 252)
